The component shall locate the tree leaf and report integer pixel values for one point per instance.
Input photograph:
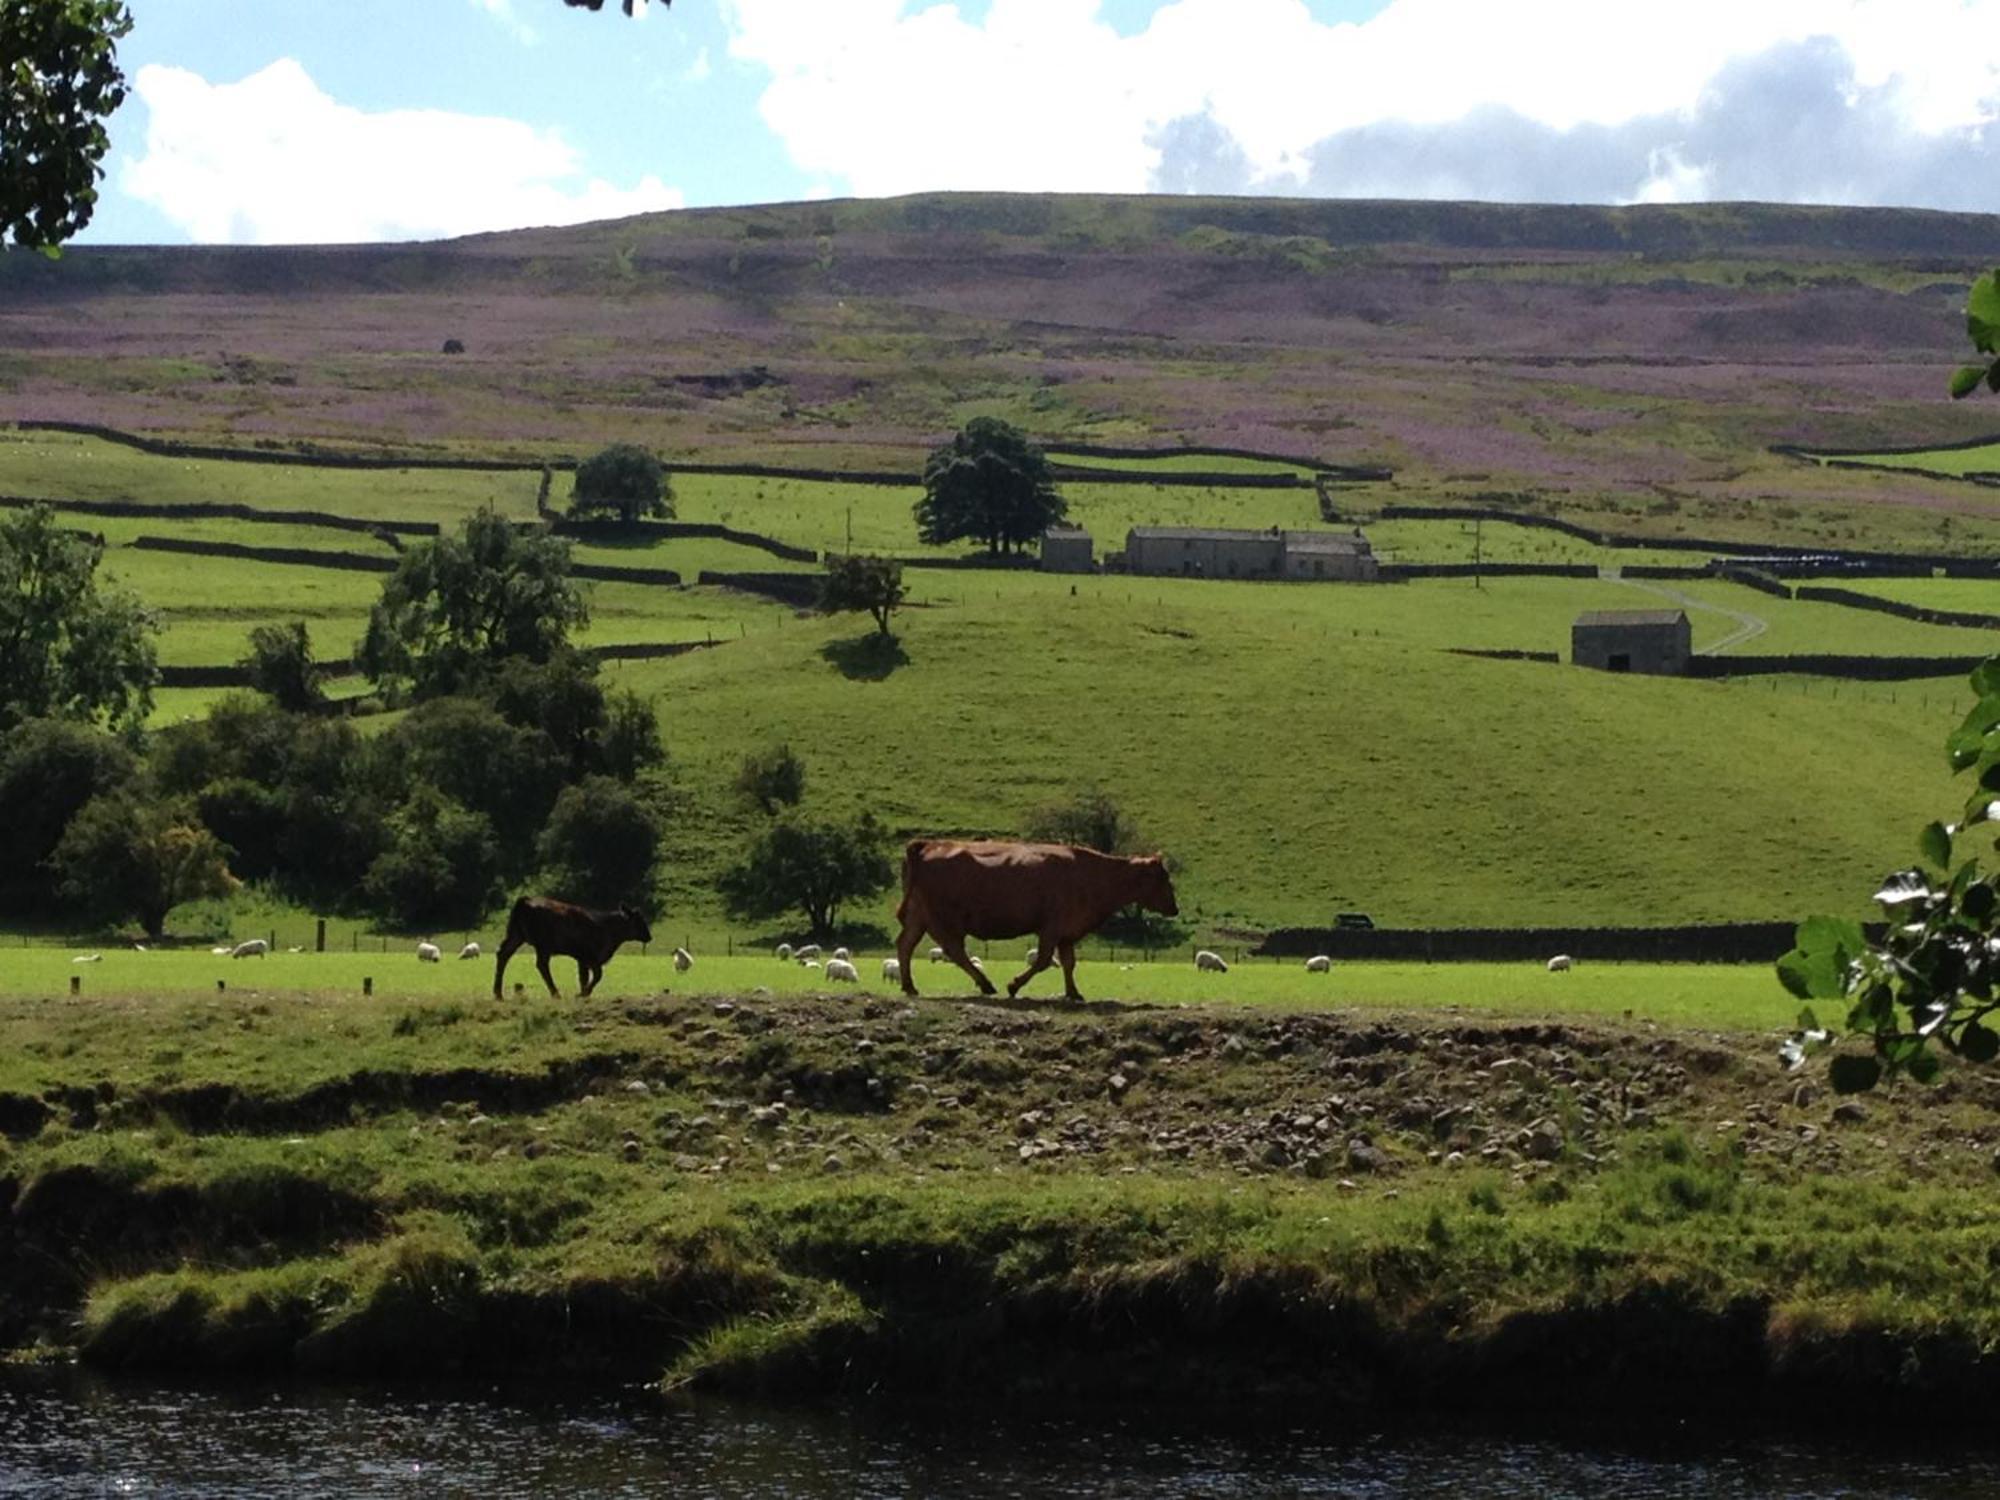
(1818, 967)
(1979, 1044)
(1924, 1067)
(1852, 1074)
(1986, 677)
(1978, 902)
(1982, 313)
(1934, 843)
(1965, 380)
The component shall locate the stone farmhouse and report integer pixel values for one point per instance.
(1220, 552)
(1657, 641)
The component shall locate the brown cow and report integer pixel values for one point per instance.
(555, 928)
(1057, 892)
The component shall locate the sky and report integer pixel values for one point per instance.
(302, 121)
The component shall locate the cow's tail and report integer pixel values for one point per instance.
(912, 852)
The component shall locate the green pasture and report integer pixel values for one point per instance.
(1177, 463)
(1972, 595)
(1723, 996)
(62, 466)
(1794, 626)
(1956, 461)
(1301, 764)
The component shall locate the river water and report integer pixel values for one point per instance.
(67, 1436)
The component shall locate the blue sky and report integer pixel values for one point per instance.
(311, 120)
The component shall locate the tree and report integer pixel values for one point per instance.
(601, 845)
(68, 650)
(58, 83)
(625, 479)
(630, 743)
(509, 773)
(124, 855)
(1931, 983)
(49, 768)
(989, 483)
(1089, 819)
(771, 779)
(441, 867)
(457, 606)
(809, 867)
(856, 582)
(281, 666)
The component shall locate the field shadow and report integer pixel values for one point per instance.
(866, 658)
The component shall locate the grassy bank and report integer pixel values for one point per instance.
(818, 1194)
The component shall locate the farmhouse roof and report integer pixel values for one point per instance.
(1326, 541)
(1631, 617)
(1296, 541)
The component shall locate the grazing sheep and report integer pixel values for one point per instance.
(1034, 955)
(809, 963)
(470, 950)
(223, 952)
(255, 948)
(784, 953)
(1562, 963)
(843, 955)
(841, 969)
(1210, 963)
(683, 960)
(138, 947)
(1319, 963)
(937, 955)
(976, 963)
(88, 958)
(891, 969)
(429, 953)
(810, 950)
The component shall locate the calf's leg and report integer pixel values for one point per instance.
(507, 947)
(542, 957)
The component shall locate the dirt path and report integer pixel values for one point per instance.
(1749, 626)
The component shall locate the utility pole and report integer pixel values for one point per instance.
(1477, 523)
(850, 531)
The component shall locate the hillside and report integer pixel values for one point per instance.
(1633, 364)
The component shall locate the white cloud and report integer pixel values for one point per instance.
(275, 160)
(503, 12)
(1043, 94)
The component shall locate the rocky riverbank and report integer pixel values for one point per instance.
(822, 1193)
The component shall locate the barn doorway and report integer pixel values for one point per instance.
(1618, 661)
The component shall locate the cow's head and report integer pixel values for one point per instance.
(640, 929)
(1156, 889)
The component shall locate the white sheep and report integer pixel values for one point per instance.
(937, 955)
(1034, 955)
(255, 948)
(843, 955)
(1562, 963)
(429, 953)
(1319, 963)
(1210, 963)
(809, 963)
(841, 969)
(891, 969)
(88, 958)
(470, 950)
(784, 953)
(810, 950)
(683, 960)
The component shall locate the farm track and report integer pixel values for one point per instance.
(1749, 626)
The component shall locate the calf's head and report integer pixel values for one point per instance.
(1156, 891)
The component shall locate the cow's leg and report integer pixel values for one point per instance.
(507, 947)
(542, 957)
(1045, 954)
(954, 949)
(587, 973)
(1067, 949)
(906, 945)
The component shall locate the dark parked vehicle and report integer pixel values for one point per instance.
(1354, 921)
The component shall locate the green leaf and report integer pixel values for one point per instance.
(1965, 380)
(1980, 1044)
(1924, 1067)
(1978, 902)
(1986, 677)
(1982, 312)
(1934, 843)
(1807, 1020)
(1818, 968)
(1850, 1074)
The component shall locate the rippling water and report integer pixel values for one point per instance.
(67, 1436)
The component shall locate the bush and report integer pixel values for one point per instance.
(441, 867)
(772, 778)
(49, 768)
(124, 856)
(601, 844)
(281, 666)
(624, 480)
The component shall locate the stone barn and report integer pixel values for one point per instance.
(1657, 641)
(1066, 549)
(1224, 552)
